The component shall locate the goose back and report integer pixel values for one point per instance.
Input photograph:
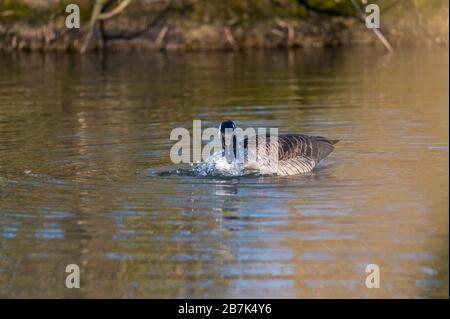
(313, 147)
(297, 153)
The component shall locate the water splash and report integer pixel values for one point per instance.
(215, 166)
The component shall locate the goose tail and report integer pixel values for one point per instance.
(325, 147)
(333, 141)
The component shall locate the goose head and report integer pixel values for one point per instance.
(229, 142)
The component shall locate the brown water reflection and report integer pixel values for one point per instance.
(81, 138)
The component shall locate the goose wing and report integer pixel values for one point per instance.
(315, 148)
(292, 146)
(297, 153)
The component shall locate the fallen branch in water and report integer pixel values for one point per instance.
(161, 36)
(230, 38)
(98, 15)
(377, 32)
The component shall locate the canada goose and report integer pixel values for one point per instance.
(297, 153)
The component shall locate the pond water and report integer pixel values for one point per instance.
(83, 142)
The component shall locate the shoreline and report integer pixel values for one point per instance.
(187, 34)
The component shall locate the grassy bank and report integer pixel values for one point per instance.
(220, 24)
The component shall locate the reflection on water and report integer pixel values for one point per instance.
(81, 138)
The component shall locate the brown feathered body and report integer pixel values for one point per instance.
(289, 154)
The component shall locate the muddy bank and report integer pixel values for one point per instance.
(154, 25)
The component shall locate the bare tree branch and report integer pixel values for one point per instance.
(138, 33)
(98, 15)
(96, 10)
(115, 11)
